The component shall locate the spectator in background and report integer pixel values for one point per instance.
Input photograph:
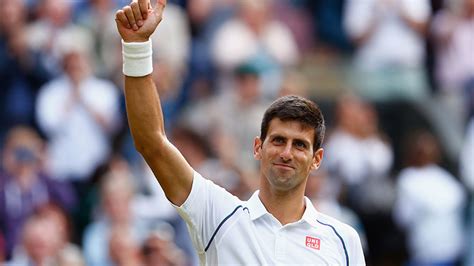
(253, 35)
(51, 29)
(204, 19)
(389, 38)
(359, 156)
(453, 32)
(159, 249)
(98, 17)
(67, 253)
(430, 204)
(78, 113)
(359, 159)
(38, 244)
(45, 241)
(116, 195)
(123, 247)
(24, 186)
(243, 101)
(213, 163)
(22, 71)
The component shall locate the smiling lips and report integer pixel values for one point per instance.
(282, 165)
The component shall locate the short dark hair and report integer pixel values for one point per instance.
(296, 108)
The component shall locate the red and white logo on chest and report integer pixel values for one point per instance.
(313, 242)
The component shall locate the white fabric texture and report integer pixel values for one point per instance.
(226, 231)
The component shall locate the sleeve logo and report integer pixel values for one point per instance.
(313, 242)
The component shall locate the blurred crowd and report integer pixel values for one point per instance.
(395, 79)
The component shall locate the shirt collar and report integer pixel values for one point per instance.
(257, 209)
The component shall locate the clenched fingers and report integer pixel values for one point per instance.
(130, 17)
(144, 4)
(137, 13)
(122, 18)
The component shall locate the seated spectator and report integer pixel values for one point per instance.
(22, 72)
(390, 47)
(24, 186)
(123, 248)
(68, 254)
(430, 204)
(39, 243)
(53, 26)
(244, 102)
(254, 35)
(116, 196)
(359, 157)
(453, 34)
(159, 248)
(44, 241)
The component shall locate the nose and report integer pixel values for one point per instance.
(286, 154)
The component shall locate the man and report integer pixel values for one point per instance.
(278, 225)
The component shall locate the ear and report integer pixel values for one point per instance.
(257, 148)
(317, 158)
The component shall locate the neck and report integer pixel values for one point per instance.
(287, 207)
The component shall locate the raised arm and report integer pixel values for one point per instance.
(136, 23)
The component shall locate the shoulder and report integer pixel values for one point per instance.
(340, 229)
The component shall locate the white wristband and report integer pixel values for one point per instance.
(137, 58)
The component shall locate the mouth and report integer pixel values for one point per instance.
(283, 166)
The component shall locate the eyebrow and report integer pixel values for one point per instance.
(272, 136)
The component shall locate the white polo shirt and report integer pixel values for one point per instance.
(228, 231)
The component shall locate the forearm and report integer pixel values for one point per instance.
(144, 112)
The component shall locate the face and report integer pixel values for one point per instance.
(286, 155)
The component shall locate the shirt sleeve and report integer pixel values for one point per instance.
(205, 208)
(356, 253)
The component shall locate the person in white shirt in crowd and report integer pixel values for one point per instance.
(278, 225)
(359, 157)
(453, 32)
(79, 114)
(430, 204)
(390, 47)
(253, 35)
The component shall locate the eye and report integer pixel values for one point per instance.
(300, 145)
(278, 140)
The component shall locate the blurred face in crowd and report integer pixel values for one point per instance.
(199, 10)
(22, 151)
(123, 249)
(40, 239)
(12, 15)
(255, 13)
(248, 88)
(286, 155)
(117, 196)
(56, 11)
(356, 117)
(76, 65)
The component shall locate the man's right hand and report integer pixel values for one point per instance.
(137, 21)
